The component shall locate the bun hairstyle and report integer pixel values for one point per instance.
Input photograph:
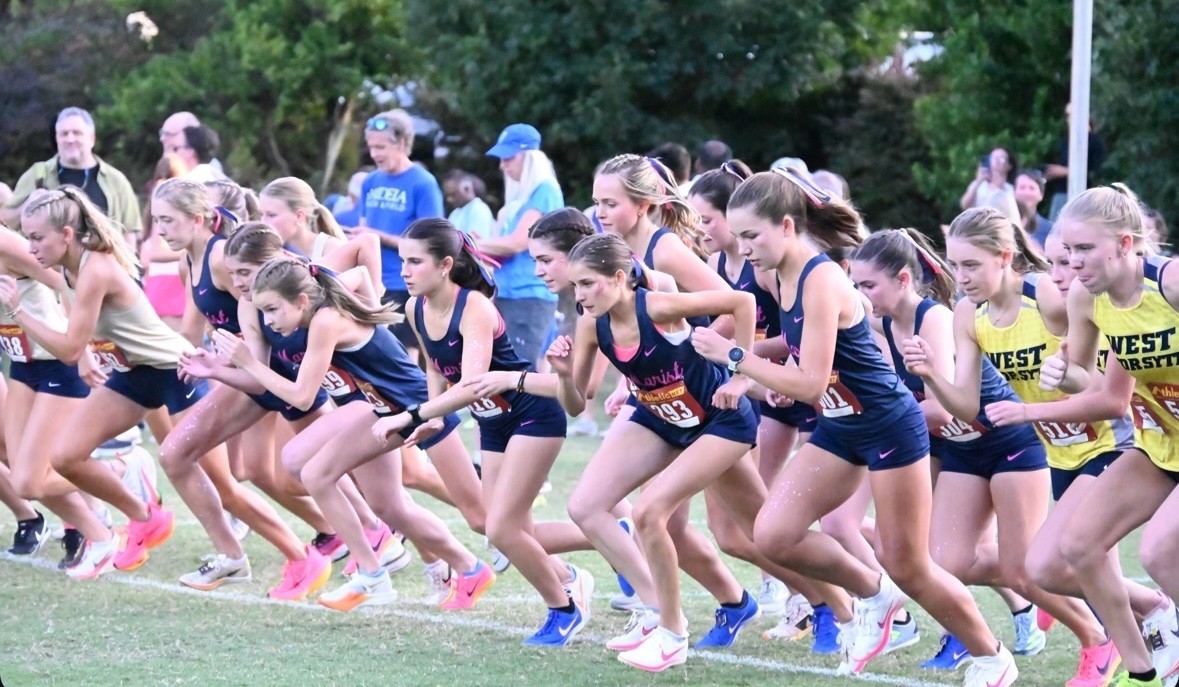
(562, 229)
(893, 250)
(717, 186)
(289, 277)
(298, 196)
(1114, 209)
(69, 206)
(443, 240)
(254, 243)
(993, 231)
(195, 200)
(607, 255)
(828, 221)
(647, 180)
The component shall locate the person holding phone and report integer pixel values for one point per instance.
(992, 179)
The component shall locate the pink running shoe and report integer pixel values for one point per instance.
(380, 539)
(1097, 667)
(302, 578)
(1044, 619)
(142, 536)
(330, 545)
(468, 587)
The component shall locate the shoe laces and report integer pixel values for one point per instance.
(321, 539)
(1088, 664)
(943, 646)
(550, 622)
(209, 563)
(72, 541)
(636, 620)
(26, 528)
(722, 618)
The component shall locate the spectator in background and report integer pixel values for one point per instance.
(1029, 193)
(347, 212)
(530, 191)
(198, 148)
(993, 178)
(1057, 174)
(675, 157)
(470, 214)
(391, 198)
(1156, 230)
(172, 134)
(75, 164)
(712, 155)
(833, 183)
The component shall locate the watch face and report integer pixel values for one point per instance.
(736, 354)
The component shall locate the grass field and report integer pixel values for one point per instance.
(143, 628)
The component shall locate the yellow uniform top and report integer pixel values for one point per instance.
(1144, 339)
(1017, 351)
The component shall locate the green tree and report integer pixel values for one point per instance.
(281, 81)
(599, 79)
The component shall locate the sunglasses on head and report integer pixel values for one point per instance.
(381, 124)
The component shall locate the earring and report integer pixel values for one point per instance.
(443, 274)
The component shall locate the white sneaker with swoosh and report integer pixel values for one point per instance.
(992, 671)
(661, 650)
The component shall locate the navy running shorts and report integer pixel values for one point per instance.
(290, 413)
(153, 387)
(800, 415)
(51, 377)
(530, 416)
(739, 425)
(1006, 449)
(881, 441)
(1063, 479)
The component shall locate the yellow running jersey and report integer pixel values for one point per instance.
(1017, 351)
(1145, 341)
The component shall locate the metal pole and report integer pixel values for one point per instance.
(1078, 126)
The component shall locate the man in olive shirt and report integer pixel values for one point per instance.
(76, 164)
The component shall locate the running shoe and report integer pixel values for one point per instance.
(72, 541)
(873, 623)
(772, 597)
(827, 631)
(301, 579)
(659, 651)
(216, 570)
(1161, 630)
(580, 589)
(360, 590)
(1029, 638)
(950, 655)
(558, 628)
(139, 473)
(729, 622)
(97, 558)
(1124, 680)
(236, 525)
(439, 581)
(330, 545)
(903, 635)
(797, 622)
(391, 553)
(1097, 666)
(30, 535)
(992, 671)
(642, 622)
(627, 600)
(583, 427)
(1044, 619)
(499, 562)
(468, 587)
(142, 536)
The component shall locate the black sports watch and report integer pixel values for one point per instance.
(414, 414)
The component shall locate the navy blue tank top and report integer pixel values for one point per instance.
(446, 355)
(381, 370)
(993, 387)
(649, 256)
(669, 379)
(861, 381)
(767, 305)
(286, 352)
(219, 307)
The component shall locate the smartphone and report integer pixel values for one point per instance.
(985, 162)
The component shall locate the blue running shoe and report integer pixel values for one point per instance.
(558, 628)
(826, 631)
(950, 655)
(1029, 638)
(729, 622)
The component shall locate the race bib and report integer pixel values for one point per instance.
(1066, 433)
(838, 400)
(673, 405)
(1144, 418)
(15, 343)
(110, 356)
(340, 383)
(492, 406)
(962, 431)
(1167, 396)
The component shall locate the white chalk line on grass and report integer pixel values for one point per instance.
(455, 620)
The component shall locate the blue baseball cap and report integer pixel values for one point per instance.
(515, 139)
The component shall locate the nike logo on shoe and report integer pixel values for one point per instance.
(666, 656)
(564, 631)
(999, 682)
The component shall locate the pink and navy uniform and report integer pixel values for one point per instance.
(501, 416)
(673, 385)
(380, 373)
(800, 415)
(286, 354)
(219, 307)
(978, 448)
(866, 415)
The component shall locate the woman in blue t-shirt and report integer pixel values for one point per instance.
(530, 191)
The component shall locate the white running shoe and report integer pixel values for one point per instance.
(139, 473)
(580, 589)
(97, 558)
(992, 671)
(439, 580)
(642, 622)
(772, 597)
(360, 590)
(797, 622)
(660, 650)
(1161, 630)
(499, 562)
(216, 570)
(240, 529)
(395, 557)
(873, 624)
